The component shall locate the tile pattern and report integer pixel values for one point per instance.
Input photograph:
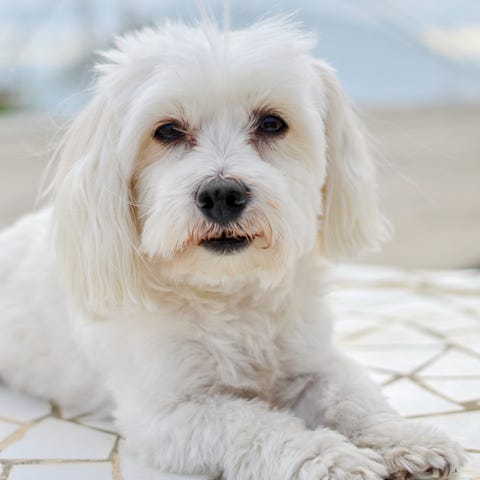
(417, 332)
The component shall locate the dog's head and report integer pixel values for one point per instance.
(211, 159)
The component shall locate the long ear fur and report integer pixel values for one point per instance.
(94, 231)
(352, 221)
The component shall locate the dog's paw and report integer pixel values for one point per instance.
(345, 462)
(420, 461)
(412, 451)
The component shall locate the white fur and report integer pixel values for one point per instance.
(215, 364)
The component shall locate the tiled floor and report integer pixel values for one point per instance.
(417, 332)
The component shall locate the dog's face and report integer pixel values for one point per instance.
(210, 159)
(228, 178)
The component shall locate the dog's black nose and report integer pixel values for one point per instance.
(222, 200)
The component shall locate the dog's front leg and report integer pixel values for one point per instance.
(242, 439)
(342, 397)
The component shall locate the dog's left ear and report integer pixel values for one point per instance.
(351, 219)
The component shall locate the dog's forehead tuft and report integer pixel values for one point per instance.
(274, 44)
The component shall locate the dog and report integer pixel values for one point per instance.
(177, 276)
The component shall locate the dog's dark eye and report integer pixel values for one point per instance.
(272, 125)
(169, 132)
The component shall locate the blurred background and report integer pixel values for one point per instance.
(412, 67)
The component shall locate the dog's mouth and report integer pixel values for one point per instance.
(226, 243)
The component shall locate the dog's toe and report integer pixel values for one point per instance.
(346, 463)
(419, 462)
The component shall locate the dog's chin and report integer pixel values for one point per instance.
(226, 264)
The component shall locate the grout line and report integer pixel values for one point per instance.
(56, 411)
(452, 343)
(429, 361)
(385, 371)
(463, 349)
(78, 421)
(6, 470)
(442, 294)
(436, 414)
(20, 433)
(347, 337)
(471, 406)
(396, 377)
(425, 329)
(82, 415)
(92, 427)
(418, 382)
(13, 422)
(115, 460)
(114, 449)
(376, 369)
(465, 309)
(116, 470)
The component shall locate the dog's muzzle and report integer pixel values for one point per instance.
(222, 202)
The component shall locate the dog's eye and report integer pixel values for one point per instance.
(272, 125)
(169, 132)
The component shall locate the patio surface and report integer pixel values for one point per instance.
(417, 331)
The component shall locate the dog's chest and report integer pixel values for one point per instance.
(245, 353)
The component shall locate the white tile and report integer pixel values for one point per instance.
(379, 377)
(1, 468)
(470, 303)
(351, 325)
(400, 360)
(361, 317)
(410, 399)
(468, 339)
(464, 427)
(467, 281)
(70, 471)
(395, 335)
(19, 407)
(444, 321)
(361, 298)
(472, 469)
(417, 307)
(367, 274)
(458, 389)
(107, 424)
(6, 429)
(132, 469)
(58, 439)
(453, 363)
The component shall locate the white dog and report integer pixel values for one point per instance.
(196, 202)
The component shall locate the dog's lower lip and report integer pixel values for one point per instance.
(226, 244)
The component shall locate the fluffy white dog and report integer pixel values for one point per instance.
(196, 202)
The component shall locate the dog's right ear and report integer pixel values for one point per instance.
(94, 232)
(351, 221)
